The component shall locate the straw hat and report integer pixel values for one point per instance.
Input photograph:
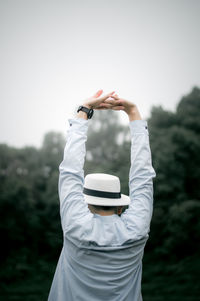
(104, 190)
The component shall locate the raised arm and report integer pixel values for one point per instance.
(73, 209)
(138, 216)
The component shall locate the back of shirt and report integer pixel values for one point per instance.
(101, 258)
(105, 273)
(99, 273)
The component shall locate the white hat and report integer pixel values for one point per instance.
(104, 190)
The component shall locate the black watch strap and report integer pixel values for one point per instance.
(89, 112)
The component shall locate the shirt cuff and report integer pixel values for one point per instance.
(78, 124)
(138, 126)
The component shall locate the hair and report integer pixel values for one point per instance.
(104, 208)
(108, 208)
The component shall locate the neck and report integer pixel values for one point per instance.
(104, 213)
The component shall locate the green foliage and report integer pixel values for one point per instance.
(188, 111)
(30, 229)
(183, 229)
(108, 147)
(175, 144)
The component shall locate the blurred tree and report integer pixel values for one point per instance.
(188, 111)
(175, 145)
(183, 229)
(52, 150)
(108, 147)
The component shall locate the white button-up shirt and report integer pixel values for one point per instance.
(101, 257)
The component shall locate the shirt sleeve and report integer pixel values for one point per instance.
(138, 216)
(73, 208)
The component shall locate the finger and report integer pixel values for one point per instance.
(118, 108)
(105, 105)
(101, 109)
(111, 106)
(112, 101)
(100, 106)
(115, 96)
(119, 100)
(98, 93)
(106, 96)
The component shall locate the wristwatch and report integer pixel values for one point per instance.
(89, 112)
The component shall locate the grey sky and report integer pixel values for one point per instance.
(55, 53)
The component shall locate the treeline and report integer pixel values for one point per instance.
(30, 229)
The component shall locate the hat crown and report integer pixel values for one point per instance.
(102, 182)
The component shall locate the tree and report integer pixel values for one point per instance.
(175, 144)
(52, 149)
(108, 147)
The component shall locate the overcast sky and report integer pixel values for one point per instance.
(56, 53)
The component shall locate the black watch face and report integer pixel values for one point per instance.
(90, 113)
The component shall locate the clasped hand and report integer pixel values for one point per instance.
(105, 102)
(112, 101)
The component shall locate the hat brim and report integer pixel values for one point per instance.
(93, 200)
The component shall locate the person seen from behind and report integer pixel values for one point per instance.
(103, 243)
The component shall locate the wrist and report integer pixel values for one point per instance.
(134, 114)
(87, 105)
(82, 114)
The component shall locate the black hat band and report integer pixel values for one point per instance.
(102, 194)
